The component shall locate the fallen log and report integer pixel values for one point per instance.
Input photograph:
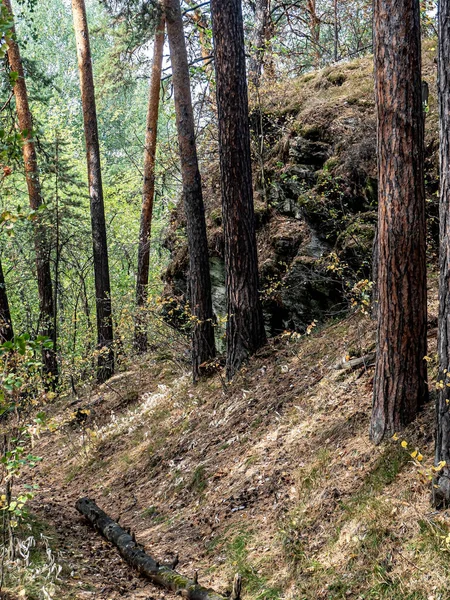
(162, 575)
(354, 363)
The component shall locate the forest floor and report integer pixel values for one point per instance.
(273, 476)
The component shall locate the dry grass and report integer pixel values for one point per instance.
(275, 477)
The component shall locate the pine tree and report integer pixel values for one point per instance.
(245, 325)
(140, 336)
(259, 40)
(101, 266)
(42, 249)
(442, 489)
(400, 384)
(203, 344)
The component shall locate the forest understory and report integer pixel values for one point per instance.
(290, 493)
(221, 295)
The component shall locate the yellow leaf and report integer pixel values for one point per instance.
(395, 437)
(414, 454)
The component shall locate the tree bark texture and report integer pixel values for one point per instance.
(42, 249)
(336, 30)
(400, 387)
(260, 40)
(442, 451)
(148, 192)
(245, 325)
(203, 344)
(162, 575)
(314, 31)
(6, 328)
(101, 266)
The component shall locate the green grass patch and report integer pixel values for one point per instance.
(254, 584)
(199, 480)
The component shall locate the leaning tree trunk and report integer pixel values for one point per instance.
(203, 345)
(140, 334)
(101, 267)
(245, 325)
(442, 491)
(42, 249)
(6, 328)
(400, 387)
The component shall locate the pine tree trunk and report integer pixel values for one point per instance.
(400, 387)
(245, 325)
(101, 267)
(42, 249)
(442, 492)
(314, 31)
(336, 31)
(203, 344)
(6, 328)
(259, 40)
(140, 334)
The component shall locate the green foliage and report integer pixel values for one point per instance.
(22, 391)
(386, 469)
(253, 583)
(52, 80)
(199, 480)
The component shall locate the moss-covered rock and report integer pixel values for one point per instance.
(315, 182)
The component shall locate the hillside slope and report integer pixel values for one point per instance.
(315, 181)
(272, 476)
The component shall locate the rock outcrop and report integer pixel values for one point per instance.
(315, 196)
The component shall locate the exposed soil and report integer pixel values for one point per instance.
(273, 475)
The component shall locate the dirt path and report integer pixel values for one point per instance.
(92, 568)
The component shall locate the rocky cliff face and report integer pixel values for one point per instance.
(314, 144)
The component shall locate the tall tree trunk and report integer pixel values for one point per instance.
(198, 18)
(442, 491)
(42, 249)
(140, 334)
(314, 31)
(259, 40)
(6, 328)
(101, 267)
(400, 387)
(336, 31)
(245, 325)
(203, 344)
